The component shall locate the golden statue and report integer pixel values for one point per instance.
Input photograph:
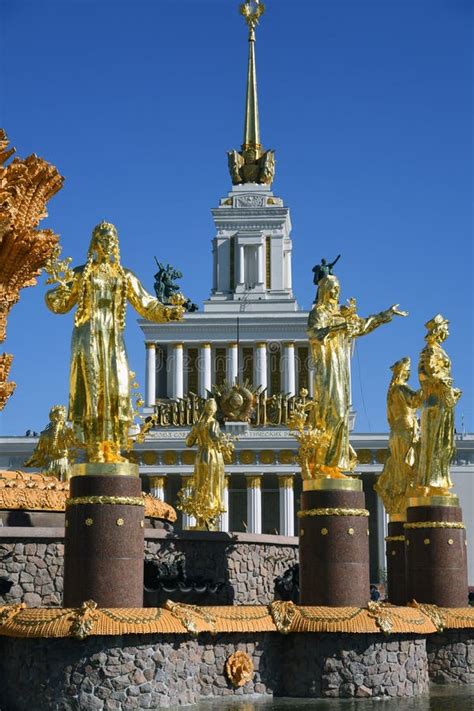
(205, 498)
(56, 447)
(399, 469)
(331, 329)
(438, 398)
(100, 406)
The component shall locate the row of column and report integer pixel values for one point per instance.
(254, 503)
(176, 372)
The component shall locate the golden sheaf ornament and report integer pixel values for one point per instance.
(239, 668)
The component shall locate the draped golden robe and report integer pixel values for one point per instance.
(100, 407)
(331, 352)
(437, 418)
(399, 469)
(207, 485)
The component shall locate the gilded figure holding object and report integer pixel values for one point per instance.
(100, 406)
(438, 399)
(205, 498)
(399, 470)
(331, 330)
(56, 447)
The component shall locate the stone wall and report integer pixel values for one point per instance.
(157, 671)
(451, 656)
(36, 570)
(246, 565)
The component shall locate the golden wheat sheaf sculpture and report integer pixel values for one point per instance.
(26, 185)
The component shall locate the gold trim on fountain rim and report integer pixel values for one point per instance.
(435, 524)
(114, 500)
(435, 500)
(332, 512)
(105, 469)
(325, 484)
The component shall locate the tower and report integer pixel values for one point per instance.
(252, 247)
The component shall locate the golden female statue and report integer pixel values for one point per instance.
(437, 413)
(331, 329)
(399, 469)
(205, 498)
(100, 407)
(56, 446)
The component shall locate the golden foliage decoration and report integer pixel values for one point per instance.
(239, 668)
(39, 492)
(25, 188)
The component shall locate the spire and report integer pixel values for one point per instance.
(252, 12)
(252, 164)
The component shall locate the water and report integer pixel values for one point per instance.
(440, 698)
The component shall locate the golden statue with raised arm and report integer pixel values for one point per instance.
(393, 485)
(331, 329)
(100, 406)
(438, 398)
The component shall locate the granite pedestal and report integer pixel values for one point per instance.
(435, 550)
(333, 543)
(104, 536)
(396, 572)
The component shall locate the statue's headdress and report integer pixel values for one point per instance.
(399, 364)
(435, 322)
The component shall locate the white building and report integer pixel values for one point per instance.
(250, 330)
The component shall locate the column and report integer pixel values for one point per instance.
(260, 265)
(382, 531)
(214, 266)
(178, 380)
(287, 505)
(241, 263)
(254, 504)
(205, 372)
(157, 487)
(261, 365)
(224, 517)
(289, 368)
(188, 521)
(232, 363)
(150, 377)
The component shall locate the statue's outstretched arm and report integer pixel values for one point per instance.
(334, 262)
(147, 305)
(369, 324)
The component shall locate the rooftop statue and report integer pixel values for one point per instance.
(331, 329)
(205, 499)
(100, 406)
(393, 485)
(166, 288)
(438, 399)
(323, 269)
(55, 450)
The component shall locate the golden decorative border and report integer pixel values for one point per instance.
(327, 483)
(179, 618)
(332, 512)
(435, 524)
(112, 500)
(394, 538)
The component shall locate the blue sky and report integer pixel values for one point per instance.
(368, 105)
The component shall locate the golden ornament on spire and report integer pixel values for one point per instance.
(252, 164)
